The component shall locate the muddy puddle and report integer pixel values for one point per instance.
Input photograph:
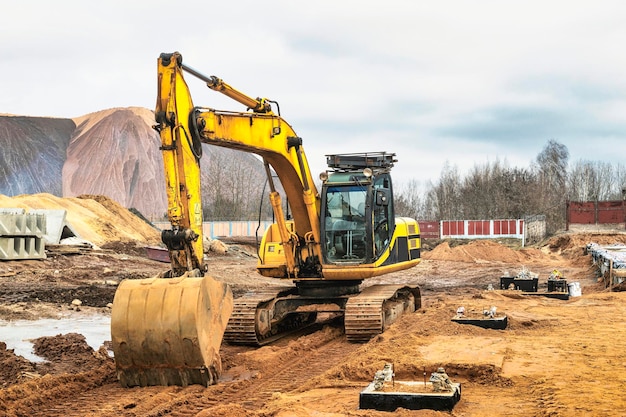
(18, 334)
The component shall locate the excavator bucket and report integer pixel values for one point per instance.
(169, 331)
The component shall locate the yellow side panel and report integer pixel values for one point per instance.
(272, 262)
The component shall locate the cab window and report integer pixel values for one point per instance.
(344, 223)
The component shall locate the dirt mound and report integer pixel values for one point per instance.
(12, 366)
(120, 145)
(567, 245)
(68, 353)
(479, 251)
(573, 243)
(97, 219)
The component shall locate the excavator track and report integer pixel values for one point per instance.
(375, 308)
(258, 319)
(252, 321)
(241, 328)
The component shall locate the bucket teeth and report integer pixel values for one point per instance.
(167, 376)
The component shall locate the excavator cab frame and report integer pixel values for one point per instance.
(357, 203)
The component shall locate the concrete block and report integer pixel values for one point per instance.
(9, 210)
(22, 247)
(24, 224)
(57, 227)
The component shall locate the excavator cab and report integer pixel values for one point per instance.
(359, 235)
(345, 226)
(357, 206)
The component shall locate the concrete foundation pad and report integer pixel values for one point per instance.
(498, 323)
(409, 396)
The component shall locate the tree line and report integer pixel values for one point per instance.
(234, 188)
(494, 190)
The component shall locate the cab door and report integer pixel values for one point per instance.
(384, 219)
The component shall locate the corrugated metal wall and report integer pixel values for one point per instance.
(467, 229)
(429, 230)
(596, 212)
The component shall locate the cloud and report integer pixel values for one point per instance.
(436, 82)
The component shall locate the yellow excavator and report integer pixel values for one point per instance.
(168, 330)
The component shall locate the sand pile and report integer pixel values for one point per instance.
(480, 251)
(97, 219)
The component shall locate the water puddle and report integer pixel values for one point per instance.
(18, 334)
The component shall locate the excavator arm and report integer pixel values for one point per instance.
(259, 131)
(168, 330)
(181, 159)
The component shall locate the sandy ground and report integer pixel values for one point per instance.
(556, 357)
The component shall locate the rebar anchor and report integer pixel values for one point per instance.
(383, 376)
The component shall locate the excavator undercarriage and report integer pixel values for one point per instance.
(260, 318)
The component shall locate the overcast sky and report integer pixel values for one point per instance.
(458, 82)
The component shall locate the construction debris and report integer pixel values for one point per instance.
(611, 263)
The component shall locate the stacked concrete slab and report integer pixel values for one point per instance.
(21, 235)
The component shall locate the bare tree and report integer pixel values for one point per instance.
(232, 186)
(408, 202)
(596, 181)
(446, 195)
(551, 188)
